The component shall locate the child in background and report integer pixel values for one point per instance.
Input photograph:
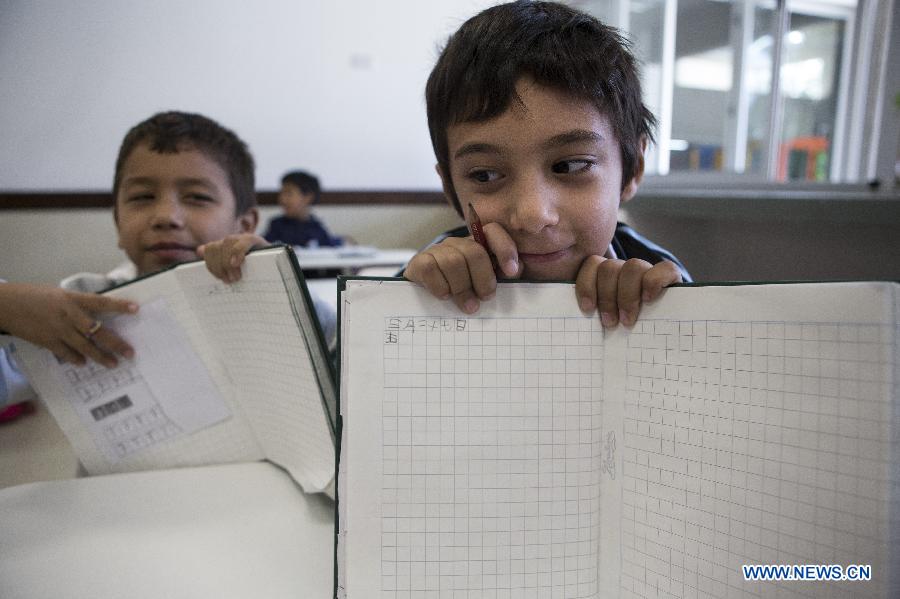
(537, 122)
(298, 226)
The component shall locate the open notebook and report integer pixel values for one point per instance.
(222, 373)
(525, 452)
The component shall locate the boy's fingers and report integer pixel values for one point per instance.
(458, 267)
(629, 291)
(504, 249)
(90, 349)
(662, 275)
(454, 266)
(227, 256)
(237, 248)
(109, 339)
(607, 291)
(96, 304)
(245, 243)
(65, 353)
(213, 258)
(481, 270)
(104, 337)
(466, 301)
(424, 269)
(586, 283)
(85, 348)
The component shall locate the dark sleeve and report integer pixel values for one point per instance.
(271, 235)
(628, 243)
(317, 231)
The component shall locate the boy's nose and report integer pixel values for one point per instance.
(168, 213)
(533, 206)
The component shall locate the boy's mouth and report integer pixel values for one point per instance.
(543, 257)
(172, 251)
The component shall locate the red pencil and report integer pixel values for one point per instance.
(476, 228)
(478, 234)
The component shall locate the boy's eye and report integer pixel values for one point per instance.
(484, 176)
(200, 198)
(140, 197)
(572, 166)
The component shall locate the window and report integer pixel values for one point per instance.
(708, 77)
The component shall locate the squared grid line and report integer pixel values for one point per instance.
(491, 463)
(718, 471)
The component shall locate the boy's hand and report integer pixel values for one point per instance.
(461, 269)
(616, 288)
(65, 322)
(225, 256)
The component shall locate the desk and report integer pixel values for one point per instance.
(237, 530)
(351, 257)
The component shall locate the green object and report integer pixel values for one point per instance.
(822, 166)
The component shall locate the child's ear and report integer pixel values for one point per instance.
(631, 187)
(449, 191)
(249, 220)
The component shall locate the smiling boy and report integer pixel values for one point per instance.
(537, 122)
(184, 189)
(182, 180)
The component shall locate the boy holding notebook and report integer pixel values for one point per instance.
(539, 129)
(181, 181)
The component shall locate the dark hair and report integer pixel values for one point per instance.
(305, 182)
(557, 46)
(172, 132)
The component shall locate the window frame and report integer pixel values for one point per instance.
(865, 139)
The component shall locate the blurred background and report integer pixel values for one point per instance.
(775, 155)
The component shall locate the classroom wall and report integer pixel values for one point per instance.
(335, 87)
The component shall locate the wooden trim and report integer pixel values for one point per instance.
(94, 199)
(53, 199)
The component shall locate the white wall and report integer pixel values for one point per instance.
(333, 87)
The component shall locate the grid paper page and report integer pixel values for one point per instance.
(755, 443)
(491, 457)
(712, 442)
(266, 358)
(247, 337)
(230, 440)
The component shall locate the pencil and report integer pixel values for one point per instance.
(476, 228)
(478, 234)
